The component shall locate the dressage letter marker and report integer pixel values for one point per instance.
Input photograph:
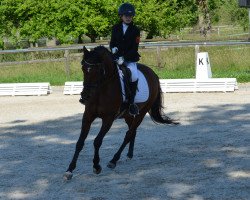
(203, 69)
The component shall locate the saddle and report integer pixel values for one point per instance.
(125, 79)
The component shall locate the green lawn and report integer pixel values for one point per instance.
(226, 62)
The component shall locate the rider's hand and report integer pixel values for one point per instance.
(114, 50)
(120, 60)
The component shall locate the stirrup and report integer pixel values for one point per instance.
(133, 109)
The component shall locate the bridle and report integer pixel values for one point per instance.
(91, 65)
(96, 66)
(103, 80)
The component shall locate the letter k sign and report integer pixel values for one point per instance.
(201, 61)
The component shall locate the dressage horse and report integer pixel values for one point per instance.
(102, 97)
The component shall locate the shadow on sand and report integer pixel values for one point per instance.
(206, 159)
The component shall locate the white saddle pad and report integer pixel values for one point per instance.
(142, 93)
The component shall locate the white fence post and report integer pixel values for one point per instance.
(196, 51)
(67, 63)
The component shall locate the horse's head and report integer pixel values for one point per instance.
(97, 65)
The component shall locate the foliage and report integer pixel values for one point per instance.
(234, 13)
(160, 18)
(9, 22)
(68, 20)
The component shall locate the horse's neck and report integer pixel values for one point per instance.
(111, 88)
(112, 82)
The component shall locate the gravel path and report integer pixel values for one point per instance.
(206, 157)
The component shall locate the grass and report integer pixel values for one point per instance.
(226, 62)
(52, 72)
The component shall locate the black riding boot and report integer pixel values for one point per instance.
(133, 108)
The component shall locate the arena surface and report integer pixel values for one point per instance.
(206, 157)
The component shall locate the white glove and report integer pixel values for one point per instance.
(114, 50)
(120, 60)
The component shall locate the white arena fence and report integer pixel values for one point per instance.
(174, 85)
(167, 86)
(25, 89)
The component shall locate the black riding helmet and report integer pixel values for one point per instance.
(126, 9)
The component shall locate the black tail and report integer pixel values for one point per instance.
(156, 112)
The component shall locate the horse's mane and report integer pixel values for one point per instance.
(100, 50)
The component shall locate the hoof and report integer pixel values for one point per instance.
(97, 170)
(129, 158)
(67, 176)
(111, 165)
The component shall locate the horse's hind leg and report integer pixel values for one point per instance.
(130, 153)
(130, 136)
(79, 145)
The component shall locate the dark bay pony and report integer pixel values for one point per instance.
(103, 99)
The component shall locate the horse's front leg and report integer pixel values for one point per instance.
(106, 125)
(86, 123)
(131, 147)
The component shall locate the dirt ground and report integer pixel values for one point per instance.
(206, 157)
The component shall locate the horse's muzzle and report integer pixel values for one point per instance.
(85, 95)
(82, 101)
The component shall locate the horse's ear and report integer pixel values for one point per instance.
(85, 51)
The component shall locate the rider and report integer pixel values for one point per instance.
(124, 44)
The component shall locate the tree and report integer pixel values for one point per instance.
(64, 20)
(231, 13)
(220, 11)
(67, 20)
(160, 18)
(9, 21)
(35, 19)
(177, 14)
(204, 20)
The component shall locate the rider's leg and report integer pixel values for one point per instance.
(133, 108)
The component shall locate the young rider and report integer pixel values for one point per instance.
(124, 44)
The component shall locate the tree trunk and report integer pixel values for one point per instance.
(204, 18)
(92, 37)
(150, 35)
(80, 41)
